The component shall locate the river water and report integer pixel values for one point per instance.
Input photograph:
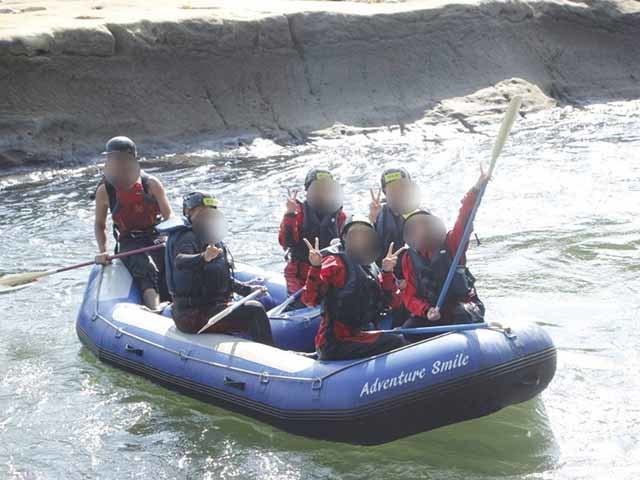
(560, 246)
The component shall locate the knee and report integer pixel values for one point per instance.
(254, 306)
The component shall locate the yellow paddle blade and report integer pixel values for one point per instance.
(505, 128)
(21, 278)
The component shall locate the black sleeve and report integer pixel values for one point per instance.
(241, 288)
(188, 255)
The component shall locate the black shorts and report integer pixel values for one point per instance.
(147, 269)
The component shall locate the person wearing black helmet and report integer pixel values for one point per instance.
(320, 215)
(200, 274)
(137, 203)
(356, 293)
(427, 262)
(401, 197)
(387, 215)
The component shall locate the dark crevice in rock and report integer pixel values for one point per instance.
(297, 45)
(215, 107)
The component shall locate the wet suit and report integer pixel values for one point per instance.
(202, 289)
(306, 223)
(389, 227)
(355, 296)
(425, 273)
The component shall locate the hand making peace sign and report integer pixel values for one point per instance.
(389, 262)
(315, 257)
(375, 206)
(292, 201)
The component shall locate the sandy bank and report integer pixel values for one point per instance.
(73, 73)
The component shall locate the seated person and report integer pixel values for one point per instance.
(355, 292)
(427, 262)
(200, 275)
(400, 198)
(137, 203)
(320, 215)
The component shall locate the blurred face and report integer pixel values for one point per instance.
(362, 244)
(121, 169)
(402, 196)
(209, 223)
(325, 195)
(425, 232)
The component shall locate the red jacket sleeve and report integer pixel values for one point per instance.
(417, 306)
(289, 235)
(390, 288)
(341, 220)
(319, 279)
(455, 235)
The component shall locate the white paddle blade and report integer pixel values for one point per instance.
(21, 278)
(505, 128)
(219, 316)
(14, 289)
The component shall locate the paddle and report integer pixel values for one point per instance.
(278, 309)
(219, 316)
(20, 279)
(438, 329)
(505, 128)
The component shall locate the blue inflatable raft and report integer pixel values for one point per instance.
(443, 380)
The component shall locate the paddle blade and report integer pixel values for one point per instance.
(505, 128)
(21, 278)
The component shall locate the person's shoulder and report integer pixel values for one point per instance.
(101, 192)
(153, 182)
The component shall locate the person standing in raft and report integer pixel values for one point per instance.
(356, 293)
(137, 203)
(427, 262)
(200, 275)
(401, 197)
(320, 215)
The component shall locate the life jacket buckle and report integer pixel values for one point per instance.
(316, 384)
(264, 378)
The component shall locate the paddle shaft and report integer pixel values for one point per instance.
(505, 127)
(437, 329)
(461, 248)
(219, 316)
(111, 257)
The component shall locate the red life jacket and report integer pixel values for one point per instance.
(134, 210)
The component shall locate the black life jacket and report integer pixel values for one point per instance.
(360, 301)
(133, 211)
(430, 275)
(211, 284)
(314, 225)
(389, 228)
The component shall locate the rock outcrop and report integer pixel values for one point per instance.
(289, 68)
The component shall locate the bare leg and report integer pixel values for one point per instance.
(151, 298)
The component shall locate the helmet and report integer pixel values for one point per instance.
(363, 256)
(356, 219)
(316, 174)
(196, 199)
(417, 211)
(121, 144)
(391, 175)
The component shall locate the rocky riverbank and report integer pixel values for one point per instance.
(174, 75)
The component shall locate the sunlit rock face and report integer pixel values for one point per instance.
(72, 76)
